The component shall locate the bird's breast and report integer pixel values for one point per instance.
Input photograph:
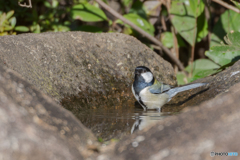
(153, 101)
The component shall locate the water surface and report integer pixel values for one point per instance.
(115, 122)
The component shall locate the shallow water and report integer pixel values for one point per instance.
(113, 117)
(115, 114)
(115, 122)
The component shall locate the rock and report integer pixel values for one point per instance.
(34, 127)
(83, 70)
(95, 70)
(217, 84)
(80, 65)
(195, 133)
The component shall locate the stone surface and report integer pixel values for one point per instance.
(34, 127)
(95, 70)
(217, 84)
(81, 65)
(197, 131)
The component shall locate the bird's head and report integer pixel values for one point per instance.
(143, 74)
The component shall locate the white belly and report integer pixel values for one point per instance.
(153, 101)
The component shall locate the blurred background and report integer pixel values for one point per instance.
(202, 35)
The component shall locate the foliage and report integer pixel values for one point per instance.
(183, 22)
(225, 54)
(201, 68)
(228, 22)
(7, 23)
(88, 13)
(186, 15)
(221, 57)
(139, 21)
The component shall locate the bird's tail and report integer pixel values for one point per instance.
(174, 91)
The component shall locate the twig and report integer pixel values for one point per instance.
(175, 46)
(164, 26)
(224, 4)
(156, 47)
(138, 29)
(25, 4)
(174, 32)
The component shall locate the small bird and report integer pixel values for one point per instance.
(152, 94)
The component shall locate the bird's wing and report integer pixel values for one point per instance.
(159, 87)
(172, 92)
(166, 87)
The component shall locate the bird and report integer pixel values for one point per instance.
(152, 94)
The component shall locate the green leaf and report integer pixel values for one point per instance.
(110, 22)
(202, 68)
(9, 14)
(138, 9)
(228, 22)
(47, 4)
(181, 78)
(3, 33)
(62, 28)
(3, 19)
(21, 28)
(224, 54)
(139, 21)
(126, 3)
(13, 21)
(35, 28)
(184, 17)
(204, 73)
(202, 27)
(66, 23)
(167, 39)
(181, 42)
(87, 13)
(237, 4)
(195, 7)
(38, 29)
(54, 3)
(202, 64)
(8, 28)
(87, 28)
(128, 31)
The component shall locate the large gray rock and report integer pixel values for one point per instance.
(193, 134)
(81, 65)
(218, 83)
(83, 69)
(34, 127)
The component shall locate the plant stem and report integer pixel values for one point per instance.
(228, 6)
(138, 29)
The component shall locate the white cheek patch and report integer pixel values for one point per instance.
(148, 76)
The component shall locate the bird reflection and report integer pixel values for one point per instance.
(144, 119)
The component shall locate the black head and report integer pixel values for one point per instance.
(141, 69)
(143, 78)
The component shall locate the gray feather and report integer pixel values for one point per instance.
(159, 87)
(172, 92)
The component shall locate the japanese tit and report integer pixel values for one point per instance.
(152, 94)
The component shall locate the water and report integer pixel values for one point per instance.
(111, 118)
(115, 114)
(116, 122)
